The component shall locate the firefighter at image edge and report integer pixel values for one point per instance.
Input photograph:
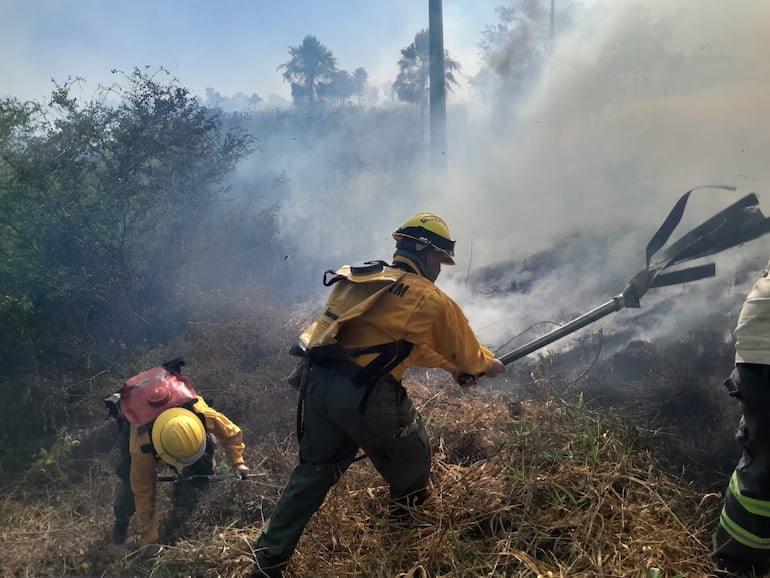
(741, 542)
(379, 320)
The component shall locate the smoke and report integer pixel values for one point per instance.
(560, 171)
(637, 103)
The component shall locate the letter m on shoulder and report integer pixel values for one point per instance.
(398, 289)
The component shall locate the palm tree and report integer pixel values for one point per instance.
(361, 80)
(311, 66)
(412, 84)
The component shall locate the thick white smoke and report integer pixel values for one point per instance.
(579, 158)
(638, 103)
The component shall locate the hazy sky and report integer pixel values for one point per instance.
(229, 45)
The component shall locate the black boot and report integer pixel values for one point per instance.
(266, 569)
(400, 509)
(739, 569)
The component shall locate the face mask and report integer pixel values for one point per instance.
(432, 268)
(428, 267)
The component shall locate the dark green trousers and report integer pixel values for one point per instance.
(389, 430)
(123, 507)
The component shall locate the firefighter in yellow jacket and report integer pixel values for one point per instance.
(167, 422)
(379, 320)
(180, 438)
(742, 538)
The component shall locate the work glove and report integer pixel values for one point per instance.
(467, 380)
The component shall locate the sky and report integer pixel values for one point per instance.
(231, 46)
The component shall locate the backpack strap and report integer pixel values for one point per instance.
(389, 356)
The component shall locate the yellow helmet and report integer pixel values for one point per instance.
(179, 437)
(431, 230)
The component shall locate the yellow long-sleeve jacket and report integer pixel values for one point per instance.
(144, 477)
(417, 311)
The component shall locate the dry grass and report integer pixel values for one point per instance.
(536, 486)
(518, 489)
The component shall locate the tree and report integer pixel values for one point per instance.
(238, 101)
(340, 88)
(100, 205)
(312, 67)
(103, 208)
(344, 85)
(412, 84)
(360, 80)
(515, 49)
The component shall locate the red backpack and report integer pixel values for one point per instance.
(148, 394)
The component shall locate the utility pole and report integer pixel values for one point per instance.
(552, 1)
(438, 141)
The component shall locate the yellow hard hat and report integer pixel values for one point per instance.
(179, 437)
(431, 230)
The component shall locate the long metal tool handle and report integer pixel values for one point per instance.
(629, 298)
(211, 477)
(611, 306)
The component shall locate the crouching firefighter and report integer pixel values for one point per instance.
(379, 320)
(163, 420)
(742, 539)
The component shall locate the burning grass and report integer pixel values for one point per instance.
(518, 489)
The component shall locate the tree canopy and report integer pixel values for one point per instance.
(412, 84)
(315, 77)
(311, 70)
(99, 203)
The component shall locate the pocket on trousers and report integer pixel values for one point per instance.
(388, 408)
(391, 416)
(410, 441)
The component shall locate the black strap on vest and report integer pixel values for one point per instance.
(389, 356)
